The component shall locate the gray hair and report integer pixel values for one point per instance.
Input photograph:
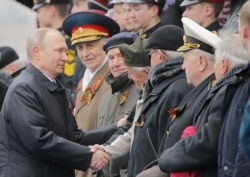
(38, 37)
(210, 57)
(173, 54)
(227, 49)
(140, 68)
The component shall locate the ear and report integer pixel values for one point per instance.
(245, 32)
(202, 63)
(155, 10)
(209, 10)
(36, 52)
(52, 10)
(163, 56)
(12, 69)
(225, 66)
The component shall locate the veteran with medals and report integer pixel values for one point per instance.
(89, 30)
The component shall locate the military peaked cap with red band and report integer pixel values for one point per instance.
(89, 25)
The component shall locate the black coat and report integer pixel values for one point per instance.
(39, 136)
(187, 108)
(199, 152)
(232, 161)
(166, 93)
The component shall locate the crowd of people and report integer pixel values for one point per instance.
(129, 88)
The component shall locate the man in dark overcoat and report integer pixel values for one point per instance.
(39, 135)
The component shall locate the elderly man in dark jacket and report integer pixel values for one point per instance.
(200, 75)
(232, 162)
(166, 88)
(39, 136)
(199, 152)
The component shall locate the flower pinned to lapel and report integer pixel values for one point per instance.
(140, 121)
(91, 91)
(123, 96)
(71, 109)
(173, 113)
(88, 94)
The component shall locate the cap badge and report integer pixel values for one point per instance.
(80, 30)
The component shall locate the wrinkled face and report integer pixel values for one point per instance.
(141, 15)
(218, 65)
(156, 57)
(195, 12)
(116, 62)
(52, 55)
(43, 16)
(91, 53)
(191, 67)
(139, 77)
(129, 24)
(79, 5)
(118, 15)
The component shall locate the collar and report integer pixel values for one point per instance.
(119, 83)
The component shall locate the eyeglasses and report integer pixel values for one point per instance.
(151, 52)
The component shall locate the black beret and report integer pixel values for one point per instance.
(40, 3)
(169, 37)
(98, 4)
(135, 55)
(7, 56)
(120, 38)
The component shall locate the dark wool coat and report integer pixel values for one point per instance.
(199, 152)
(232, 161)
(186, 112)
(38, 134)
(166, 93)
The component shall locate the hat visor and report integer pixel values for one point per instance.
(37, 6)
(136, 1)
(184, 49)
(188, 3)
(86, 39)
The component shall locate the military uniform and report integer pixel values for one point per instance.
(82, 27)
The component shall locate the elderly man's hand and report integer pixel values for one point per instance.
(99, 159)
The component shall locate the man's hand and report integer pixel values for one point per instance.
(99, 159)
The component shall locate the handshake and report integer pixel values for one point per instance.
(99, 159)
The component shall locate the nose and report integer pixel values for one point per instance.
(117, 61)
(185, 14)
(183, 66)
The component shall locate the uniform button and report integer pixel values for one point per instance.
(225, 168)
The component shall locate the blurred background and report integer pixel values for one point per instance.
(17, 21)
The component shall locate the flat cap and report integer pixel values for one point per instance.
(135, 55)
(191, 2)
(168, 37)
(89, 25)
(118, 39)
(98, 4)
(197, 37)
(40, 3)
(7, 56)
